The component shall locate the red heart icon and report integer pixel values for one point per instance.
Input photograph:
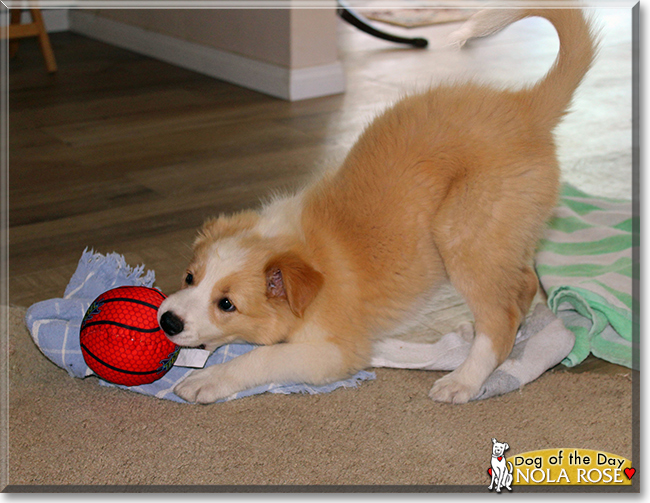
(500, 458)
(629, 472)
(490, 472)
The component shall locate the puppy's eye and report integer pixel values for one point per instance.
(189, 278)
(226, 306)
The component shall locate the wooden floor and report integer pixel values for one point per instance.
(119, 152)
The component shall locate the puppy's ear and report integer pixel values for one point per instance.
(290, 278)
(506, 447)
(494, 440)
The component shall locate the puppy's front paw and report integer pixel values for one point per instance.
(205, 386)
(452, 389)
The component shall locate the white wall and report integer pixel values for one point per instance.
(291, 54)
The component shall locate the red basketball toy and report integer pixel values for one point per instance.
(121, 340)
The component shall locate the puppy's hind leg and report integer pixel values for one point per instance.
(486, 232)
(498, 285)
(498, 312)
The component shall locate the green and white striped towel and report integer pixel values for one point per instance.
(585, 264)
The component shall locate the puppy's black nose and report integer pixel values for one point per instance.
(171, 324)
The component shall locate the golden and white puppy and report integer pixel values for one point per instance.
(454, 184)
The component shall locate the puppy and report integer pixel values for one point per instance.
(454, 184)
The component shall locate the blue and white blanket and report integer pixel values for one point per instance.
(55, 323)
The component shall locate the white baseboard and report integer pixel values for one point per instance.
(281, 82)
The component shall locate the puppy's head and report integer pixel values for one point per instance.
(239, 287)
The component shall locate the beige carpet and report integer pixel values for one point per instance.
(65, 431)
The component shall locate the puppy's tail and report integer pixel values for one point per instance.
(551, 96)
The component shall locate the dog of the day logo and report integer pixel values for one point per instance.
(560, 467)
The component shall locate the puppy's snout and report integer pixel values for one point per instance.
(171, 324)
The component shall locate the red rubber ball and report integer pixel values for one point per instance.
(121, 340)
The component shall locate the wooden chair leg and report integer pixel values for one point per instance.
(13, 44)
(44, 40)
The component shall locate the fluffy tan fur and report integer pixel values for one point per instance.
(454, 184)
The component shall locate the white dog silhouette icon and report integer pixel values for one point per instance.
(501, 470)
